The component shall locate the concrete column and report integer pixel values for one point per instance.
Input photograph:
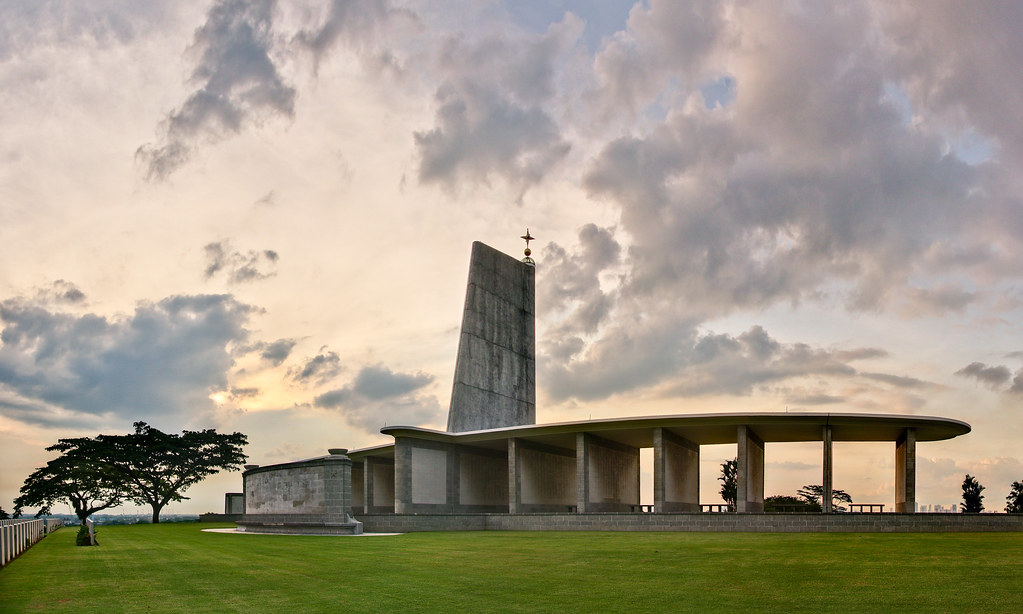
(607, 474)
(749, 479)
(368, 485)
(402, 475)
(827, 478)
(905, 472)
(676, 473)
(514, 477)
(582, 474)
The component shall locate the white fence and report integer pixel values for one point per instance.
(17, 536)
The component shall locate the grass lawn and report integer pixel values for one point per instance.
(178, 568)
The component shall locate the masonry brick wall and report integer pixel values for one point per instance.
(702, 522)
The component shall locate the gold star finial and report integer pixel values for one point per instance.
(528, 251)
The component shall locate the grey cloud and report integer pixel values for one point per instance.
(239, 267)
(238, 84)
(61, 292)
(661, 351)
(664, 38)
(278, 351)
(378, 395)
(816, 399)
(898, 381)
(1017, 383)
(961, 63)
(571, 282)
(164, 359)
(356, 23)
(994, 376)
(490, 121)
(244, 393)
(319, 368)
(107, 23)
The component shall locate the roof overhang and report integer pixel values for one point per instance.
(701, 429)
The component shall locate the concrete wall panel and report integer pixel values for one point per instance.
(429, 476)
(483, 480)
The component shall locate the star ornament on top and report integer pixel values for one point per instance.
(528, 251)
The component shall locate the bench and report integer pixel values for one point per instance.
(716, 508)
(868, 508)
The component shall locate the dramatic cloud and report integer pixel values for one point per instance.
(239, 83)
(318, 369)
(162, 360)
(995, 376)
(239, 267)
(357, 24)
(278, 351)
(378, 395)
(61, 292)
(490, 120)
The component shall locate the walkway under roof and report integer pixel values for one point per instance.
(701, 429)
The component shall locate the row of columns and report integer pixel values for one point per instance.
(599, 475)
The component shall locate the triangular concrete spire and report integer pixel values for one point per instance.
(495, 374)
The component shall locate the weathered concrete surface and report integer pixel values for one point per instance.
(905, 472)
(495, 372)
(676, 473)
(780, 523)
(607, 474)
(301, 496)
(541, 478)
(749, 471)
(828, 471)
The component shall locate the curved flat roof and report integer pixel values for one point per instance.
(703, 429)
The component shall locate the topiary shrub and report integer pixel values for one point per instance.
(83, 536)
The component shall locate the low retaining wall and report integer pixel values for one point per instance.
(779, 523)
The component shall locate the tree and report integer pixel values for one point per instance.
(729, 490)
(813, 495)
(4, 515)
(154, 467)
(71, 478)
(1014, 502)
(787, 503)
(972, 499)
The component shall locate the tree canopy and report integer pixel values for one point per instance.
(73, 478)
(152, 467)
(1014, 502)
(972, 499)
(813, 495)
(729, 491)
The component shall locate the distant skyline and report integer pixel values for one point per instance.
(256, 216)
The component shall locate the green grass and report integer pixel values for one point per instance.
(179, 568)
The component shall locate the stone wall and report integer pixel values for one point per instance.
(306, 496)
(702, 522)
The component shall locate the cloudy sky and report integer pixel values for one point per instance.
(256, 216)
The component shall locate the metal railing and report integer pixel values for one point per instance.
(18, 535)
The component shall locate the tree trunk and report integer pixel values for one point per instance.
(156, 513)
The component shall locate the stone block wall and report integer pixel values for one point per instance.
(699, 522)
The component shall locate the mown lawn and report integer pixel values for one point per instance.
(180, 568)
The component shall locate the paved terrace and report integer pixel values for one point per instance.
(593, 466)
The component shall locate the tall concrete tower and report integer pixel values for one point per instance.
(495, 374)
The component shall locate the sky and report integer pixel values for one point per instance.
(256, 216)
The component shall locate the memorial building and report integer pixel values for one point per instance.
(495, 467)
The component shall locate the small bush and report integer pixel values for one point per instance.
(83, 536)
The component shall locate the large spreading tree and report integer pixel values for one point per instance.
(154, 468)
(71, 478)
